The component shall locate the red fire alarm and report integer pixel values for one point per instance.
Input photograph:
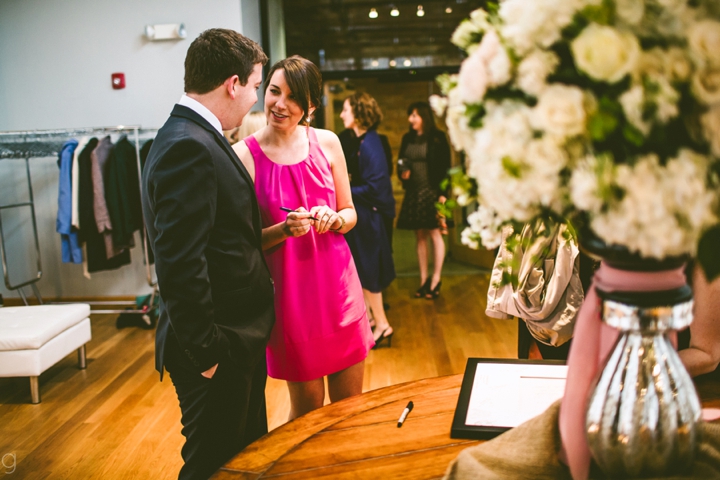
(118, 81)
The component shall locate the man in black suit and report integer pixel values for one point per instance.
(204, 226)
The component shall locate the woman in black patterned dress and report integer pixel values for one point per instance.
(423, 163)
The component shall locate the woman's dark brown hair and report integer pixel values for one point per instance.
(218, 54)
(425, 112)
(366, 110)
(303, 79)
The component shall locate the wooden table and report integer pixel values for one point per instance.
(358, 437)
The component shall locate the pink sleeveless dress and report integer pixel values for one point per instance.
(321, 326)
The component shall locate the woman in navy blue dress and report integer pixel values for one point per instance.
(375, 205)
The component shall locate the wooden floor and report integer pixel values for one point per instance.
(115, 420)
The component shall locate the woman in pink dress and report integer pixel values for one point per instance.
(321, 328)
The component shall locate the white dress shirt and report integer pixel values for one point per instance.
(201, 110)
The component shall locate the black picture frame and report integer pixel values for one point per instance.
(459, 428)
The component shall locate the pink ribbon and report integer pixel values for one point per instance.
(592, 343)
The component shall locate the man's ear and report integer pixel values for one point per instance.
(229, 85)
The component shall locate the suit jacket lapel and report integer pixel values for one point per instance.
(185, 112)
(188, 113)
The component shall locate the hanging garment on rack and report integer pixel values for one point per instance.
(71, 251)
(94, 241)
(75, 217)
(122, 193)
(144, 152)
(98, 160)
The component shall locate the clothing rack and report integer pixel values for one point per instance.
(27, 144)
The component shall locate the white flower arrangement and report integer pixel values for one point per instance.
(601, 113)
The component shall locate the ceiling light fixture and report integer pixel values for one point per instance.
(420, 11)
(393, 63)
(394, 12)
(448, 9)
(407, 62)
(373, 13)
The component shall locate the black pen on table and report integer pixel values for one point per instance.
(286, 209)
(405, 413)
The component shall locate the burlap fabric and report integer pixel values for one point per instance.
(530, 451)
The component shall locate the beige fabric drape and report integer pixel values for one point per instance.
(531, 451)
(549, 293)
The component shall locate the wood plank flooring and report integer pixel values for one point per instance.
(115, 420)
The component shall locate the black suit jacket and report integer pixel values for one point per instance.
(204, 226)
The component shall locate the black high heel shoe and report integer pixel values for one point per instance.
(384, 337)
(424, 290)
(434, 293)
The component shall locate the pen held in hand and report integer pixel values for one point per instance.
(289, 210)
(405, 413)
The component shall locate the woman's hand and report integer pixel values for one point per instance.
(327, 218)
(297, 223)
(442, 199)
(405, 175)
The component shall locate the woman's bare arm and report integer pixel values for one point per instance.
(703, 355)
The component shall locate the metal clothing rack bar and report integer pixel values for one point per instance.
(27, 144)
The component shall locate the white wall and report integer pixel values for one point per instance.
(56, 58)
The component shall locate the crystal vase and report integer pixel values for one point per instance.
(644, 412)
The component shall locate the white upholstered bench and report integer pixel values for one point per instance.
(34, 338)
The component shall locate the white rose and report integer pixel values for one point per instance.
(447, 82)
(473, 78)
(533, 71)
(632, 103)
(495, 58)
(438, 104)
(630, 11)
(666, 99)
(468, 238)
(677, 64)
(664, 209)
(673, 5)
(461, 134)
(584, 190)
(605, 53)
(560, 111)
(711, 129)
(547, 160)
(487, 66)
(479, 18)
(706, 86)
(464, 34)
(704, 41)
(536, 23)
(650, 62)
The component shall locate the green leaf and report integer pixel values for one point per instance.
(513, 168)
(633, 135)
(602, 13)
(707, 253)
(649, 110)
(601, 125)
(444, 209)
(475, 113)
(446, 83)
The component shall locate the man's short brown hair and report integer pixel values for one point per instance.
(366, 110)
(218, 54)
